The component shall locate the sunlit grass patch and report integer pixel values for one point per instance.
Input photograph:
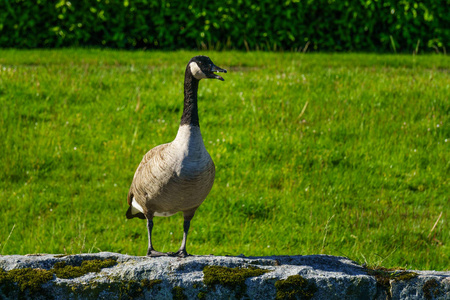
(362, 172)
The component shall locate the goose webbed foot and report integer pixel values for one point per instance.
(154, 253)
(181, 253)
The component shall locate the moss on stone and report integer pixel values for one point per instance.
(178, 293)
(62, 270)
(383, 276)
(382, 279)
(431, 289)
(201, 295)
(130, 289)
(2, 276)
(295, 287)
(406, 276)
(18, 281)
(358, 287)
(124, 289)
(6, 285)
(134, 289)
(231, 277)
(146, 283)
(27, 278)
(32, 279)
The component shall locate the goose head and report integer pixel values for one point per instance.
(202, 67)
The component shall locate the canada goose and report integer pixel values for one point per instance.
(176, 176)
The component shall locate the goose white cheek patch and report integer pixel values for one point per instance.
(196, 71)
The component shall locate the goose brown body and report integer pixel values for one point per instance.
(176, 176)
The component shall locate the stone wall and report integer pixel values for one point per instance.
(117, 276)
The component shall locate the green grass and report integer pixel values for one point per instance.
(363, 173)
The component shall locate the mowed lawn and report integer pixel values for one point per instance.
(340, 154)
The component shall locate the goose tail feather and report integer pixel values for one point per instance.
(133, 213)
(130, 215)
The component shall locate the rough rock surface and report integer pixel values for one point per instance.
(288, 277)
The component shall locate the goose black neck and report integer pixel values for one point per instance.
(190, 111)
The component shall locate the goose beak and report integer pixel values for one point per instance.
(215, 68)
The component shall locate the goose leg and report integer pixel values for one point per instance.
(182, 251)
(151, 252)
(188, 215)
